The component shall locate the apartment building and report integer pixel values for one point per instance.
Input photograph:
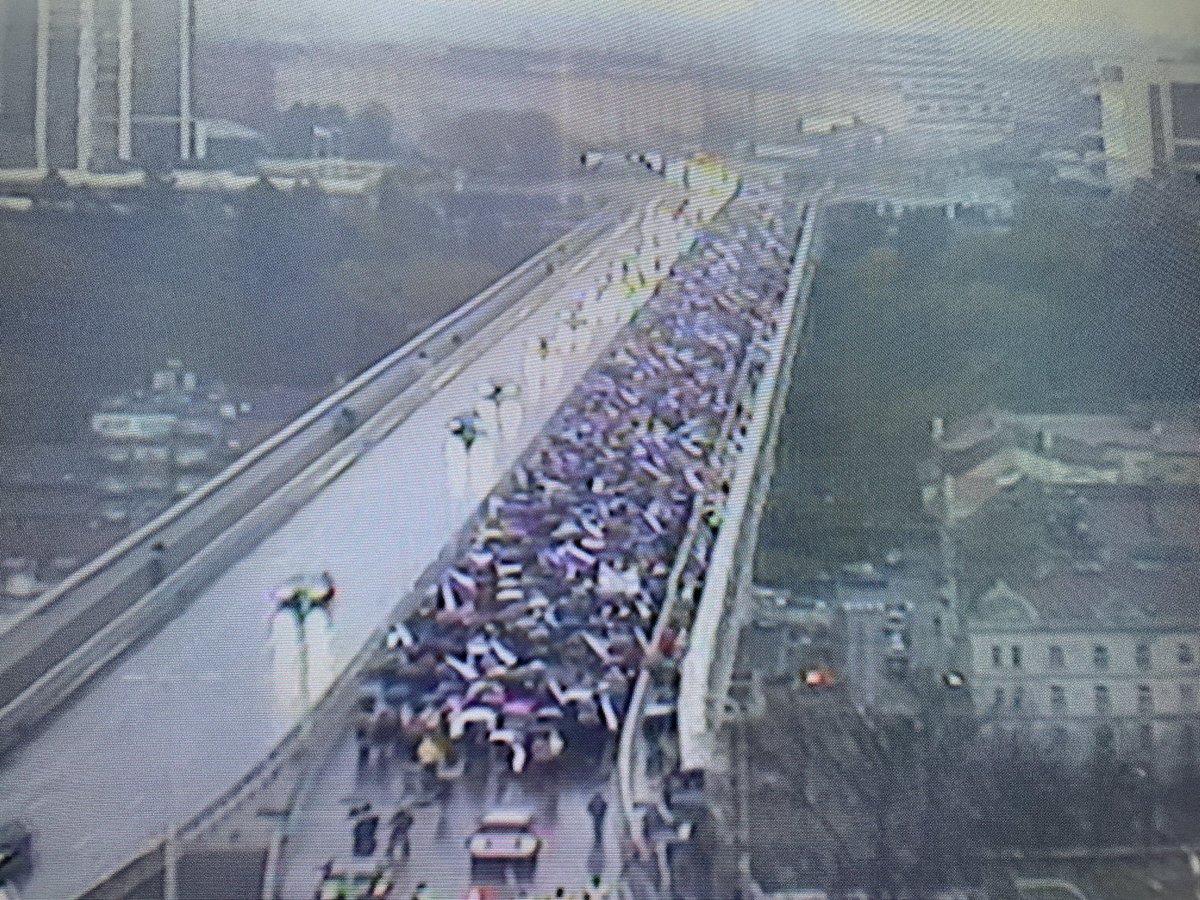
(96, 85)
(1149, 117)
(1073, 544)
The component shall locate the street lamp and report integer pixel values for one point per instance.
(301, 597)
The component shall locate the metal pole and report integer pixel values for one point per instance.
(41, 88)
(171, 864)
(125, 82)
(171, 845)
(86, 86)
(304, 695)
(186, 16)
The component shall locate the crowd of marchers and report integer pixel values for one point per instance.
(526, 647)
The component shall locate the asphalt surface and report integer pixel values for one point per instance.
(169, 727)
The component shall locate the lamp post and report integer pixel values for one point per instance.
(465, 432)
(301, 598)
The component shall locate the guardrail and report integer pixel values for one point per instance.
(634, 718)
(771, 400)
(636, 709)
(637, 703)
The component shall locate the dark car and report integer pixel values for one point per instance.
(345, 419)
(16, 854)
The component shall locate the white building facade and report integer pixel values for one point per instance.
(96, 85)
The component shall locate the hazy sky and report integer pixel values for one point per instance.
(768, 25)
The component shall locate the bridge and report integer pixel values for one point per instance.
(151, 709)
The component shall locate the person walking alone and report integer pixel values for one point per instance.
(597, 808)
(401, 823)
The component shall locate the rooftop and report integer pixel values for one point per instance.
(1134, 430)
(1107, 557)
(982, 456)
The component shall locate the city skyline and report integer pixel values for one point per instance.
(734, 449)
(773, 28)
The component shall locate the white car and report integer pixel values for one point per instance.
(504, 846)
(505, 836)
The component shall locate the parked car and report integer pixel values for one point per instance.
(16, 852)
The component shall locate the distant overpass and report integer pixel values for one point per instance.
(994, 197)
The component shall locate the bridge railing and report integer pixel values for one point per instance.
(771, 396)
(676, 607)
(635, 713)
(704, 667)
(741, 572)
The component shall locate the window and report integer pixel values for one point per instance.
(1100, 656)
(1018, 697)
(1185, 111)
(998, 698)
(1142, 656)
(1145, 699)
(1187, 698)
(997, 659)
(1146, 738)
(1103, 701)
(1185, 654)
(1187, 741)
(1016, 656)
(1058, 698)
(1104, 739)
(1158, 146)
(1058, 659)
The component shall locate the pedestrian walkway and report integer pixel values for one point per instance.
(443, 821)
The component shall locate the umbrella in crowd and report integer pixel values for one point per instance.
(532, 638)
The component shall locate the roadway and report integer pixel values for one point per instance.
(172, 724)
